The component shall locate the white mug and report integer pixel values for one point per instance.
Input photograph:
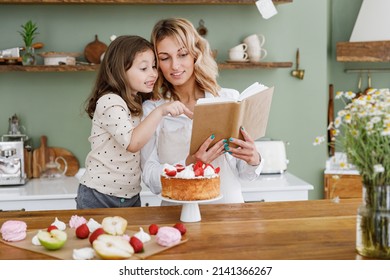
(257, 56)
(254, 40)
(238, 56)
(240, 47)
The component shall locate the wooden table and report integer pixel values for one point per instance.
(314, 229)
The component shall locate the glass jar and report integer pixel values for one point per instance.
(373, 223)
(28, 57)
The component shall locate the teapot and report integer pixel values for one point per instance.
(53, 168)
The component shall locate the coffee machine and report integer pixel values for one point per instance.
(15, 151)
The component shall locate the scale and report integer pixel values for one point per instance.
(190, 212)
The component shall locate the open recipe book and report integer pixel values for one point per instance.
(224, 117)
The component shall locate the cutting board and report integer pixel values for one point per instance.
(43, 154)
(94, 50)
(65, 253)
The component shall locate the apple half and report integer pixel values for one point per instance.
(112, 247)
(52, 240)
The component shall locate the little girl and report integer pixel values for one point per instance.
(126, 75)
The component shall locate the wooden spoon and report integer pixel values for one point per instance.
(368, 83)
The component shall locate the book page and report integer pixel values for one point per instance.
(251, 90)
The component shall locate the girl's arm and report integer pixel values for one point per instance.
(144, 131)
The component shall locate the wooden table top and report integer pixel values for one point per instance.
(299, 230)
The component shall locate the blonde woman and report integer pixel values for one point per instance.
(187, 72)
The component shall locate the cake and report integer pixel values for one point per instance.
(197, 181)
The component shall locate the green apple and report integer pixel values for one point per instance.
(52, 240)
(112, 247)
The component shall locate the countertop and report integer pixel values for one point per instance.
(300, 230)
(66, 187)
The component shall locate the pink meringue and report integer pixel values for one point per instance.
(168, 236)
(76, 221)
(13, 230)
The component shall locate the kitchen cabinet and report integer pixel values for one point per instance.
(84, 68)
(342, 185)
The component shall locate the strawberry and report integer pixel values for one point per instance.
(209, 164)
(181, 227)
(82, 231)
(95, 234)
(199, 171)
(137, 244)
(198, 164)
(50, 228)
(170, 173)
(153, 229)
(179, 167)
(217, 170)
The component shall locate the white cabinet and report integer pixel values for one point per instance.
(277, 187)
(58, 194)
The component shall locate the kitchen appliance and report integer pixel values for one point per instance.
(274, 154)
(12, 163)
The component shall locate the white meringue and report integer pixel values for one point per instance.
(143, 236)
(35, 241)
(93, 225)
(86, 253)
(59, 224)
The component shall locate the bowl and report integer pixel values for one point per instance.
(59, 58)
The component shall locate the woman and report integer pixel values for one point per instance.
(187, 72)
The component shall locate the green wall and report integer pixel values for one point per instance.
(51, 103)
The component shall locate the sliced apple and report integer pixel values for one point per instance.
(112, 247)
(52, 240)
(114, 225)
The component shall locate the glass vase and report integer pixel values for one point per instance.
(28, 57)
(373, 223)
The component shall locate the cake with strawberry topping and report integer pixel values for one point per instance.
(197, 181)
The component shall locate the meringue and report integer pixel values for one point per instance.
(35, 241)
(143, 236)
(168, 236)
(59, 224)
(86, 253)
(13, 230)
(93, 225)
(76, 221)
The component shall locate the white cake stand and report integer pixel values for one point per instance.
(190, 211)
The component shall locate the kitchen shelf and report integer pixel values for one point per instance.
(374, 51)
(254, 65)
(151, 2)
(46, 68)
(89, 68)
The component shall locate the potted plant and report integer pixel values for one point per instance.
(29, 31)
(362, 129)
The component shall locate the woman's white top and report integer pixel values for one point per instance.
(171, 143)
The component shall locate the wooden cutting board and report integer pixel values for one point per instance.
(65, 253)
(94, 50)
(43, 154)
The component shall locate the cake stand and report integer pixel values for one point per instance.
(190, 211)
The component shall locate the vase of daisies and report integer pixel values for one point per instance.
(362, 131)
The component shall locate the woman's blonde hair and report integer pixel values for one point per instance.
(206, 68)
(112, 78)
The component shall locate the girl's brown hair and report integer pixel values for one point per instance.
(206, 68)
(111, 77)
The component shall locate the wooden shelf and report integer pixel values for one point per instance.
(375, 51)
(45, 68)
(89, 68)
(151, 2)
(257, 65)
